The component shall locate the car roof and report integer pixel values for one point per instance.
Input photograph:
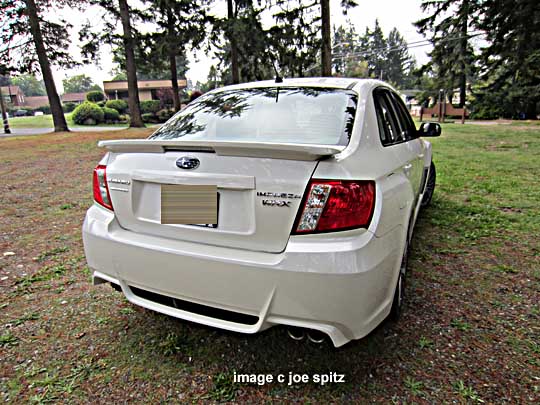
(326, 82)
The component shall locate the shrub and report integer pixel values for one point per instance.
(123, 118)
(149, 117)
(164, 115)
(119, 105)
(101, 103)
(69, 107)
(110, 114)
(45, 109)
(150, 106)
(87, 113)
(95, 96)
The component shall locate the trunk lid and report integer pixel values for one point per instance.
(249, 177)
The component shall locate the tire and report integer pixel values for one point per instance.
(430, 186)
(399, 292)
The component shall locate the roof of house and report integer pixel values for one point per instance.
(36, 101)
(11, 90)
(142, 84)
(73, 97)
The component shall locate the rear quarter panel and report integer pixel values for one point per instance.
(366, 159)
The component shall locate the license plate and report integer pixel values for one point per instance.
(189, 204)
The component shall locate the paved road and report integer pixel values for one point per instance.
(39, 131)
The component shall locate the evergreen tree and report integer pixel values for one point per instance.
(511, 61)
(181, 24)
(399, 62)
(247, 56)
(346, 44)
(28, 40)
(448, 27)
(295, 37)
(377, 58)
(117, 12)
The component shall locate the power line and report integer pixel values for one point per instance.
(409, 45)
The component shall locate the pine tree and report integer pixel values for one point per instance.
(117, 12)
(399, 62)
(448, 27)
(511, 61)
(295, 38)
(28, 40)
(181, 24)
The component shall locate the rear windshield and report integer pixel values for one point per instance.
(272, 114)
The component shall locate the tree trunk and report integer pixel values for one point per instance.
(234, 49)
(463, 48)
(4, 115)
(133, 91)
(326, 51)
(59, 120)
(172, 60)
(174, 81)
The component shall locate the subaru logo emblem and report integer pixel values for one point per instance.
(188, 162)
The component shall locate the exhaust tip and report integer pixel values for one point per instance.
(316, 336)
(296, 333)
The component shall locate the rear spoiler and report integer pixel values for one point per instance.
(292, 151)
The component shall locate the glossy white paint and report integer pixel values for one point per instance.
(340, 283)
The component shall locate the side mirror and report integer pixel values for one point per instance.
(429, 129)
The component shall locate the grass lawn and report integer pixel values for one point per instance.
(45, 121)
(470, 331)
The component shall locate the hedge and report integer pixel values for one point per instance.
(69, 106)
(150, 106)
(110, 114)
(119, 105)
(88, 113)
(95, 96)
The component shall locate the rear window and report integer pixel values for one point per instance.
(272, 114)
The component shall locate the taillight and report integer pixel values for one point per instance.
(336, 205)
(101, 189)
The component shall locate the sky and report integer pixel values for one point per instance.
(390, 13)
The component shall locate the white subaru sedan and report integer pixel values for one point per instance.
(290, 202)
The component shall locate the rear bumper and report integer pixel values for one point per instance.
(342, 286)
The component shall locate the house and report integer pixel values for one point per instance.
(13, 95)
(36, 101)
(42, 101)
(76, 98)
(409, 97)
(148, 89)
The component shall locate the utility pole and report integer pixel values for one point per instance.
(4, 114)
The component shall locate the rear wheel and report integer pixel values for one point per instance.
(399, 293)
(430, 186)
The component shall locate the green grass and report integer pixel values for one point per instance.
(45, 121)
(468, 333)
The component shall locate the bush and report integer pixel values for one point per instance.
(45, 109)
(119, 105)
(69, 107)
(123, 118)
(150, 106)
(95, 96)
(101, 103)
(150, 118)
(88, 113)
(164, 115)
(110, 114)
